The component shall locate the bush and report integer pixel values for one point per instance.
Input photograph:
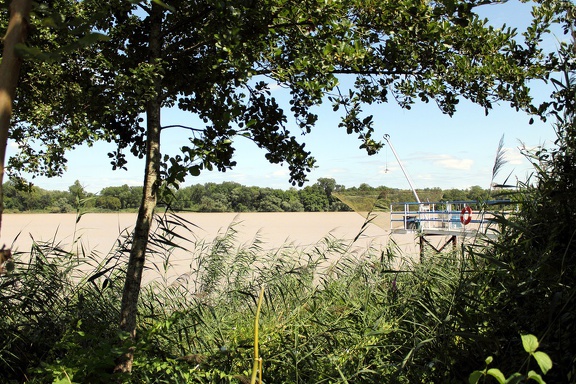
(45, 307)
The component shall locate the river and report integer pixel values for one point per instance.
(98, 232)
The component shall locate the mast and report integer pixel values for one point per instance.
(387, 138)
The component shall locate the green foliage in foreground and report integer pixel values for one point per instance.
(331, 313)
(530, 344)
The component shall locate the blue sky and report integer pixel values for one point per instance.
(436, 150)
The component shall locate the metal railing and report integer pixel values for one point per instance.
(449, 216)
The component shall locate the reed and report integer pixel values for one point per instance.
(325, 313)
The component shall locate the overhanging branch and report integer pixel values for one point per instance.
(265, 72)
(183, 127)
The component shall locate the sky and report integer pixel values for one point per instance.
(435, 149)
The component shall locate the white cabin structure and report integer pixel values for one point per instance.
(451, 219)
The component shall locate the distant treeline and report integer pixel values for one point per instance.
(223, 197)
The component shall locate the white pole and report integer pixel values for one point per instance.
(387, 138)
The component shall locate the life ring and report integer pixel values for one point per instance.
(466, 215)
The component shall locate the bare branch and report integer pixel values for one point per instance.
(183, 127)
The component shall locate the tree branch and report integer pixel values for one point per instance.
(202, 15)
(181, 126)
(144, 8)
(266, 72)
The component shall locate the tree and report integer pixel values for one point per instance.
(129, 197)
(269, 200)
(454, 195)
(77, 193)
(314, 199)
(242, 198)
(533, 261)
(16, 33)
(214, 203)
(329, 185)
(52, 111)
(292, 202)
(476, 192)
(216, 59)
(109, 202)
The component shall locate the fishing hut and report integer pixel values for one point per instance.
(451, 219)
(448, 219)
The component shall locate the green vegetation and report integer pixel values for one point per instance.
(331, 313)
(323, 196)
(105, 70)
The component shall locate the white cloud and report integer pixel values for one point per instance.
(280, 173)
(335, 171)
(450, 162)
(514, 157)
(274, 86)
(424, 177)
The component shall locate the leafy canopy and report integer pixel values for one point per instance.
(220, 58)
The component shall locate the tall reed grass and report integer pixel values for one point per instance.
(331, 313)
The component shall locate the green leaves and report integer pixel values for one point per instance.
(530, 344)
(543, 360)
(535, 377)
(164, 5)
(495, 373)
(212, 51)
(35, 53)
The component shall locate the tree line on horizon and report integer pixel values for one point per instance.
(223, 197)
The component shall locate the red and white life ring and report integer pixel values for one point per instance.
(466, 215)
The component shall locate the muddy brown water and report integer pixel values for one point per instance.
(99, 231)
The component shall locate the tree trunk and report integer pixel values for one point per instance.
(129, 309)
(9, 73)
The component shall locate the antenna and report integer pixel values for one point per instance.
(387, 138)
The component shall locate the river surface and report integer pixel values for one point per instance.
(97, 233)
(100, 230)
